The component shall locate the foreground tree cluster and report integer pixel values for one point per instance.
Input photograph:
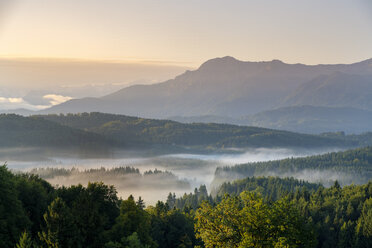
(257, 212)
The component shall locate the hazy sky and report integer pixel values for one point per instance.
(55, 50)
(188, 31)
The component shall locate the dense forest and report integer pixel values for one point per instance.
(351, 166)
(270, 188)
(107, 132)
(35, 214)
(138, 131)
(19, 131)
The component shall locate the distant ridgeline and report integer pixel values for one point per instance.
(103, 132)
(138, 132)
(352, 166)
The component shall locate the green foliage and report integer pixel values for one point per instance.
(190, 201)
(35, 195)
(25, 241)
(13, 218)
(246, 221)
(94, 210)
(290, 213)
(132, 219)
(171, 228)
(60, 230)
(271, 188)
(352, 166)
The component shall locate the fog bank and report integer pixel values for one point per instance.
(191, 169)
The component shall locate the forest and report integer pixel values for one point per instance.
(351, 166)
(255, 212)
(101, 135)
(19, 131)
(135, 131)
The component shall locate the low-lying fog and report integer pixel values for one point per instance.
(186, 171)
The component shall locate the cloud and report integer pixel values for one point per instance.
(10, 100)
(15, 100)
(9, 103)
(56, 99)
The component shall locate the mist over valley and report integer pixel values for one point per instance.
(179, 173)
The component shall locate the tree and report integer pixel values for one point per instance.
(25, 241)
(94, 210)
(60, 230)
(140, 203)
(35, 195)
(171, 200)
(13, 219)
(246, 221)
(132, 219)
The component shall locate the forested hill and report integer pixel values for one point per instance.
(270, 188)
(35, 214)
(97, 130)
(18, 131)
(133, 131)
(352, 166)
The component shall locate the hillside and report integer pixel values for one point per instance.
(313, 119)
(133, 131)
(272, 188)
(223, 86)
(302, 119)
(94, 215)
(334, 90)
(352, 166)
(18, 131)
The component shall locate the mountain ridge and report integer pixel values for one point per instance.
(221, 86)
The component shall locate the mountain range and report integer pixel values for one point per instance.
(268, 94)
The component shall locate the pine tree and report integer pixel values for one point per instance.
(60, 230)
(25, 241)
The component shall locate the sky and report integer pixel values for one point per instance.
(188, 32)
(55, 50)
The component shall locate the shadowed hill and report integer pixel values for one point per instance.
(133, 131)
(18, 131)
(352, 166)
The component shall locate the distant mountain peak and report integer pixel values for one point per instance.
(277, 61)
(367, 62)
(227, 60)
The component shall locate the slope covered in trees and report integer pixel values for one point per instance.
(132, 131)
(33, 213)
(100, 131)
(332, 217)
(270, 188)
(352, 166)
(18, 131)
